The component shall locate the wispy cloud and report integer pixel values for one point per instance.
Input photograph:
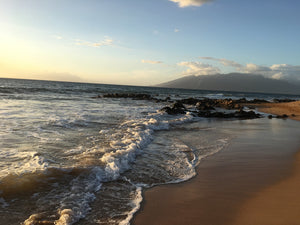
(151, 61)
(106, 42)
(224, 62)
(155, 32)
(199, 68)
(187, 3)
(58, 37)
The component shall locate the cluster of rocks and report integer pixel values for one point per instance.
(283, 116)
(135, 96)
(127, 95)
(176, 108)
(283, 100)
(240, 114)
(209, 108)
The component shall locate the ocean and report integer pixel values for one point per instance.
(68, 157)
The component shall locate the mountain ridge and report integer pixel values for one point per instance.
(238, 82)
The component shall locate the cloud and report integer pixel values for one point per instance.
(225, 62)
(176, 30)
(151, 61)
(106, 42)
(275, 71)
(285, 71)
(198, 68)
(58, 37)
(187, 3)
(155, 32)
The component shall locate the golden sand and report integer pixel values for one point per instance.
(292, 109)
(278, 204)
(235, 187)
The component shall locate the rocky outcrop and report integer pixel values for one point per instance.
(128, 95)
(177, 108)
(204, 107)
(283, 100)
(240, 114)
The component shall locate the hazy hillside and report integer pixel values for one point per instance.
(234, 82)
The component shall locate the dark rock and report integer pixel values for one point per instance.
(283, 100)
(257, 101)
(284, 116)
(178, 105)
(177, 108)
(270, 116)
(134, 96)
(167, 99)
(241, 114)
(204, 106)
(246, 114)
(189, 101)
(242, 100)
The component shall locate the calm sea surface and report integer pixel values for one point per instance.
(69, 158)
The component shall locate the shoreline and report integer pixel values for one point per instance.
(227, 187)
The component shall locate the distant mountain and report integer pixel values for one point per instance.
(234, 82)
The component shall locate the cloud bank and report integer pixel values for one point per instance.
(187, 3)
(198, 68)
(275, 71)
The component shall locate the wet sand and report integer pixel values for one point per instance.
(255, 178)
(278, 204)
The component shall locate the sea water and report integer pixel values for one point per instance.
(68, 157)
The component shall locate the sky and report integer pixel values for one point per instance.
(146, 42)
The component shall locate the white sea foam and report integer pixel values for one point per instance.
(136, 203)
(134, 136)
(19, 163)
(126, 142)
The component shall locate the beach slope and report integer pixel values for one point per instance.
(256, 180)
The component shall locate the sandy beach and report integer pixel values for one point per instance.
(277, 204)
(253, 181)
(291, 109)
